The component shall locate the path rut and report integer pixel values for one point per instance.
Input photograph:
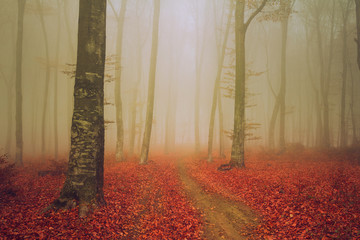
(224, 219)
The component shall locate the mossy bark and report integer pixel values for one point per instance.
(84, 180)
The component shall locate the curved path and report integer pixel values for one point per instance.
(224, 219)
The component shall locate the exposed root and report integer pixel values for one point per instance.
(225, 167)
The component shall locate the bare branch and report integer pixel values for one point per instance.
(255, 13)
(112, 7)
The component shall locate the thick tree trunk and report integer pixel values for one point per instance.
(217, 83)
(118, 102)
(84, 180)
(151, 90)
(237, 150)
(18, 84)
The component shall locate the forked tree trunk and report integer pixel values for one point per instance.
(85, 175)
(151, 90)
(18, 87)
(237, 150)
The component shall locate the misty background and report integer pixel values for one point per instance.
(188, 34)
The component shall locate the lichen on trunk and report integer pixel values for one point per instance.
(84, 180)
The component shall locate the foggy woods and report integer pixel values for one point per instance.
(180, 119)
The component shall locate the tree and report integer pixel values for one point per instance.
(118, 103)
(216, 92)
(151, 87)
(85, 174)
(18, 87)
(345, 7)
(357, 9)
(281, 15)
(47, 76)
(285, 9)
(237, 150)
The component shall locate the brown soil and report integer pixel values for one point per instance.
(223, 218)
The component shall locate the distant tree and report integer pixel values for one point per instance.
(118, 103)
(345, 8)
(18, 85)
(141, 38)
(237, 151)
(57, 49)
(85, 175)
(151, 87)
(47, 74)
(357, 11)
(216, 91)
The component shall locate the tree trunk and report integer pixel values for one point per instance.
(56, 135)
(221, 126)
(274, 115)
(47, 78)
(326, 86)
(343, 137)
(355, 142)
(217, 83)
(18, 87)
(85, 175)
(237, 150)
(357, 12)
(118, 103)
(134, 105)
(151, 87)
(285, 6)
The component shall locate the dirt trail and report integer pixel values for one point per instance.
(224, 219)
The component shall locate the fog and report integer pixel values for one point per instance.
(190, 33)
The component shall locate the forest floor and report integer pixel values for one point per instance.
(223, 218)
(296, 195)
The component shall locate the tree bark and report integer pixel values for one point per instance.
(84, 180)
(237, 150)
(118, 102)
(151, 87)
(18, 84)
